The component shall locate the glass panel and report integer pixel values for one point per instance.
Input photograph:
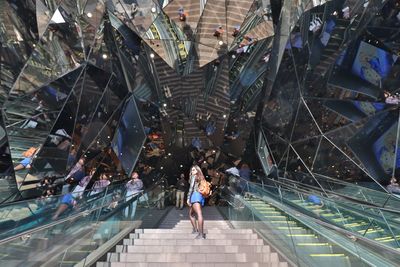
(130, 136)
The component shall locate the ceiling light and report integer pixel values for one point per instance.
(153, 9)
(152, 55)
(224, 116)
(220, 43)
(165, 104)
(233, 56)
(105, 56)
(89, 14)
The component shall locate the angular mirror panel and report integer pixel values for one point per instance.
(375, 144)
(305, 126)
(332, 162)
(138, 15)
(211, 38)
(129, 137)
(43, 16)
(103, 121)
(174, 53)
(236, 13)
(307, 149)
(185, 15)
(56, 153)
(8, 185)
(18, 36)
(95, 82)
(58, 52)
(277, 146)
(326, 118)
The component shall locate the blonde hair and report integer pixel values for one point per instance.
(199, 175)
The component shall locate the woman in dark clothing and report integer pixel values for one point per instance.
(196, 201)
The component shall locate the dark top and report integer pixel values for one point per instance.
(182, 185)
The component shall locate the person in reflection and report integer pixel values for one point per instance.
(80, 188)
(68, 202)
(218, 31)
(181, 188)
(181, 14)
(100, 185)
(133, 187)
(394, 186)
(26, 162)
(195, 201)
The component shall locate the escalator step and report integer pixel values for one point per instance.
(313, 244)
(328, 255)
(291, 228)
(370, 231)
(286, 222)
(302, 235)
(350, 225)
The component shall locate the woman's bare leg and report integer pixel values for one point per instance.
(192, 218)
(199, 213)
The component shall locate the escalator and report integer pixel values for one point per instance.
(310, 241)
(377, 224)
(70, 239)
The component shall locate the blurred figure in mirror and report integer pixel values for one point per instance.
(27, 160)
(133, 187)
(100, 185)
(394, 186)
(181, 187)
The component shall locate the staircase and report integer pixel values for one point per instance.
(173, 244)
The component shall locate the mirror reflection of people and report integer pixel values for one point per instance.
(133, 187)
(67, 202)
(100, 185)
(394, 186)
(25, 163)
(181, 187)
(195, 201)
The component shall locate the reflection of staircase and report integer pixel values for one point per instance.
(332, 50)
(174, 245)
(342, 34)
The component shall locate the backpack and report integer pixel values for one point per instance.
(204, 188)
(29, 153)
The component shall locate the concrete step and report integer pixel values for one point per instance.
(205, 242)
(188, 231)
(193, 257)
(168, 236)
(194, 249)
(183, 264)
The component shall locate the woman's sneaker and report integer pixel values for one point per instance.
(194, 231)
(200, 236)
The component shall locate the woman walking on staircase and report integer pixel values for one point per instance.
(195, 201)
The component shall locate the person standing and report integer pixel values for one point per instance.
(133, 187)
(181, 188)
(195, 200)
